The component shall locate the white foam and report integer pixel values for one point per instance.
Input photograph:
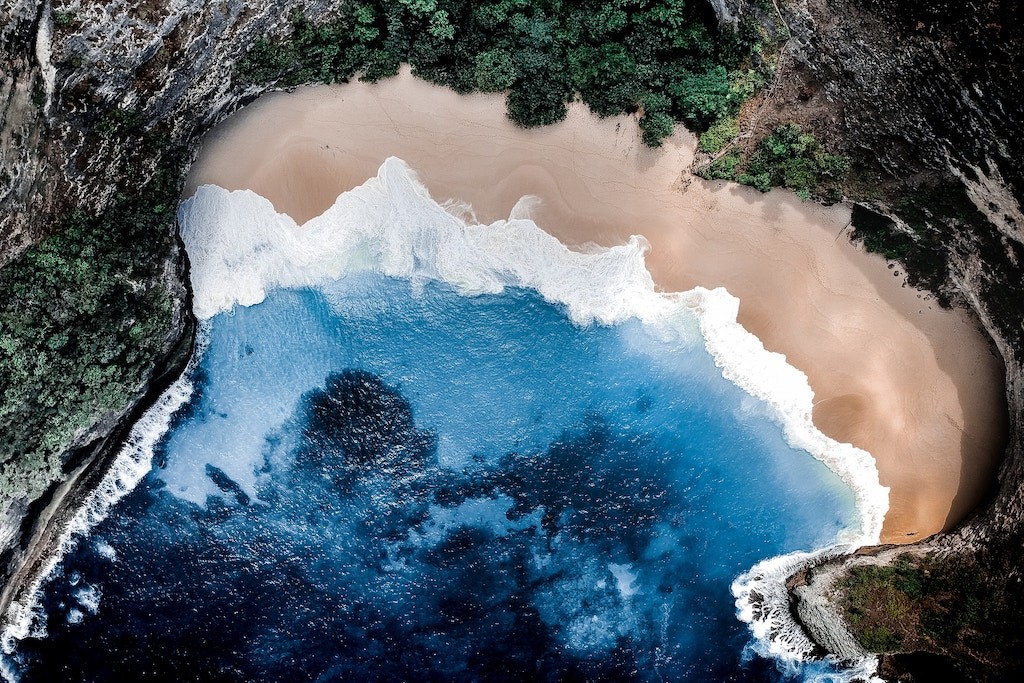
(88, 598)
(106, 550)
(24, 617)
(240, 248)
(625, 579)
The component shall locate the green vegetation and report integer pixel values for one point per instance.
(83, 317)
(86, 310)
(788, 157)
(63, 19)
(724, 167)
(915, 602)
(717, 136)
(663, 58)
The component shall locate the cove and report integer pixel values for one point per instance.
(893, 373)
(421, 448)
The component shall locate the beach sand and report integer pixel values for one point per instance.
(893, 373)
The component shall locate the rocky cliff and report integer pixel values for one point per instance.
(103, 105)
(926, 99)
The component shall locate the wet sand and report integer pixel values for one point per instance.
(894, 374)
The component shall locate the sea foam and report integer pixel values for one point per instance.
(240, 249)
(24, 617)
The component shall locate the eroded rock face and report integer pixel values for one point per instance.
(916, 92)
(94, 99)
(927, 95)
(167, 64)
(924, 92)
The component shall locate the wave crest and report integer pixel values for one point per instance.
(240, 248)
(390, 225)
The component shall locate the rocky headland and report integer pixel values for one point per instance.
(925, 99)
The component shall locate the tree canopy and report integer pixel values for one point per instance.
(666, 59)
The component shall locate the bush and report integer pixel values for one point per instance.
(723, 168)
(719, 134)
(655, 127)
(616, 56)
(702, 98)
(494, 71)
(83, 319)
(790, 158)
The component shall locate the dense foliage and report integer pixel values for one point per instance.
(663, 58)
(82, 320)
(932, 603)
(789, 158)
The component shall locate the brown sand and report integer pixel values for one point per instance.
(915, 385)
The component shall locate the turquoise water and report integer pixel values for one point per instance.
(426, 450)
(374, 482)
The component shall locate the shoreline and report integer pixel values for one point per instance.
(53, 525)
(914, 385)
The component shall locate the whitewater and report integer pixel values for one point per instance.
(242, 251)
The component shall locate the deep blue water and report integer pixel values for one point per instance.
(381, 482)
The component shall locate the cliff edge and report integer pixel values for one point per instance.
(925, 99)
(102, 109)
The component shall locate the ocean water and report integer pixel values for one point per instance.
(412, 448)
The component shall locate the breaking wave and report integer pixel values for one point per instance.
(24, 617)
(390, 225)
(241, 249)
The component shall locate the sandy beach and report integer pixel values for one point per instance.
(894, 374)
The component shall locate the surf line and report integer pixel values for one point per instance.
(240, 248)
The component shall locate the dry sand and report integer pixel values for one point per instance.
(914, 385)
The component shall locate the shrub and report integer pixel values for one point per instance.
(655, 126)
(723, 168)
(793, 159)
(615, 56)
(495, 71)
(702, 98)
(719, 134)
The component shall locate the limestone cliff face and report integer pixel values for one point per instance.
(167, 62)
(933, 90)
(926, 98)
(78, 80)
(924, 92)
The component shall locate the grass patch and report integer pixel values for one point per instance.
(915, 603)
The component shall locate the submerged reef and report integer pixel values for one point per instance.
(103, 105)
